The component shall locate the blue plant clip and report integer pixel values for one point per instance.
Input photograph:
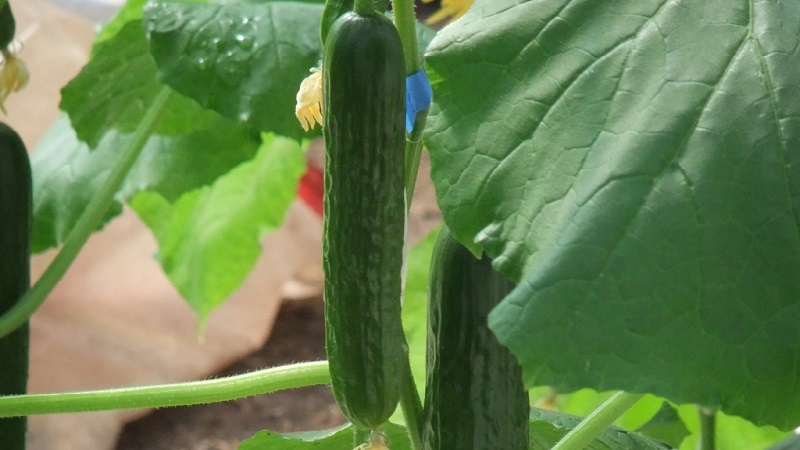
(418, 96)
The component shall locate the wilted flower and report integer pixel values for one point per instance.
(376, 441)
(13, 76)
(449, 11)
(309, 100)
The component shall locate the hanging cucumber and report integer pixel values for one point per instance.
(15, 235)
(474, 397)
(364, 219)
(8, 26)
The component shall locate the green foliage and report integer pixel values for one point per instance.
(632, 164)
(209, 237)
(666, 426)
(732, 433)
(113, 91)
(67, 173)
(244, 61)
(341, 437)
(546, 428)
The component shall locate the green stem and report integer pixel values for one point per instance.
(600, 419)
(406, 24)
(88, 222)
(364, 6)
(414, 154)
(410, 404)
(180, 394)
(707, 439)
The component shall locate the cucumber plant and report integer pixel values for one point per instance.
(630, 165)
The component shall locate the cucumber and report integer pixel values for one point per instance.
(335, 8)
(364, 217)
(15, 236)
(8, 26)
(474, 398)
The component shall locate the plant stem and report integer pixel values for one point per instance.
(364, 6)
(180, 394)
(410, 404)
(406, 24)
(708, 418)
(602, 417)
(414, 154)
(88, 222)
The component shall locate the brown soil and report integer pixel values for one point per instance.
(296, 336)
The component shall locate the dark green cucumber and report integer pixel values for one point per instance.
(364, 219)
(8, 26)
(15, 235)
(474, 398)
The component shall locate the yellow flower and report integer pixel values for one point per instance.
(13, 76)
(449, 11)
(309, 100)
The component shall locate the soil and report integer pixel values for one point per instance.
(298, 335)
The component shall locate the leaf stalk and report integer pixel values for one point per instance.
(600, 419)
(179, 394)
(707, 440)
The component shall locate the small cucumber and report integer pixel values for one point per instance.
(15, 236)
(474, 398)
(364, 214)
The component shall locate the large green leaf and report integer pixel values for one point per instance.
(546, 429)
(634, 164)
(113, 91)
(209, 238)
(245, 61)
(666, 426)
(67, 174)
(338, 438)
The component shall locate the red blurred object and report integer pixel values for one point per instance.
(311, 189)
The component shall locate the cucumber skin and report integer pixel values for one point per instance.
(15, 235)
(8, 26)
(475, 397)
(364, 218)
